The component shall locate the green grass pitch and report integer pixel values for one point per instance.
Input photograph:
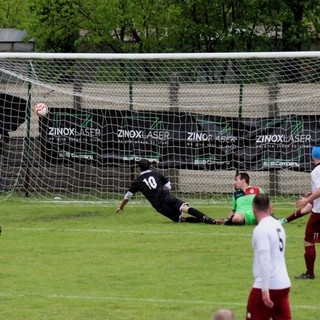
(82, 261)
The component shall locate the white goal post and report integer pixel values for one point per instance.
(200, 118)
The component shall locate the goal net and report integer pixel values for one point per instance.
(200, 118)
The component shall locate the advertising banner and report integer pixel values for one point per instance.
(179, 140)
(281, 143)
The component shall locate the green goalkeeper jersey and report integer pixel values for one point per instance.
(242, 203)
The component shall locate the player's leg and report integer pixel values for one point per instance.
(196, 213)
(176, 216)
(311, 237)
(249, 218)
(309, 258)
(281, 309)
(238, 218)
(298, 213)
(178, 207)
(190, 219)
(169, 212)
(256, 309)
(171, 208)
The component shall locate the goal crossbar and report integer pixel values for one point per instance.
(161, 56)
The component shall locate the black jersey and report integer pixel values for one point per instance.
(151, 184)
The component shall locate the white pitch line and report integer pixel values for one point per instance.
(131, 231)
(142, 231)
(151, 300)
(156, 300)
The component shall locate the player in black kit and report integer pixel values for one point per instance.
(155, 187)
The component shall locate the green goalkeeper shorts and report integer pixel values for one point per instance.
(250, 219)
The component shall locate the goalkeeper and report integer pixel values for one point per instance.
(155, 187)
(242, 202)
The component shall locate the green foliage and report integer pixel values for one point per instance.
(165, 26)
(124, 26)
(54, 25)
(13, 13)
(81, 261)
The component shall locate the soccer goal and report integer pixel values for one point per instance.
(200, 118)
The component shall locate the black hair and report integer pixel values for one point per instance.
(244, 175)
(144, 164)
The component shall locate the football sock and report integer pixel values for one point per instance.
(192, 220)
(196, 213)
(209, 220)
(310, 257)
(297, 214)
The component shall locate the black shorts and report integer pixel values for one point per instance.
(170, 207)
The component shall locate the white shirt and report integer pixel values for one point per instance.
(315, 184)
(269, 267)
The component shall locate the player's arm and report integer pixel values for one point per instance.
(231, 214)
(165, 182)
(266, 299)
(265, 269)
(304, 201)
(233, 207)
(228, 219)
(262, 251)
(125, 200)
(167, 186)
(261, 190)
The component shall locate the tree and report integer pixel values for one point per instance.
(247, 25)
(13, 13)
(300, 25)
(170, 25)
(54, 25)
(125, 25)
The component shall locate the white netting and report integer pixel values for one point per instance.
(159, 106)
